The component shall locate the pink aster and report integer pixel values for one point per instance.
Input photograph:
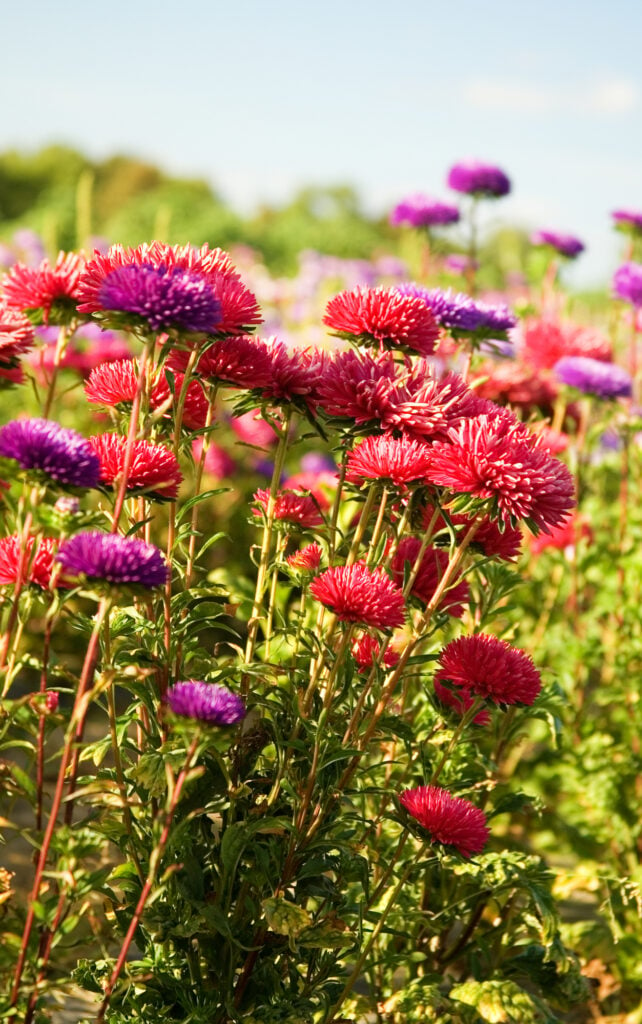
(494, 540)
(306, 559)
(38, 565)
(115, 383)
(357, 386)
(383, 316)
(358, 594)
(295, 373)
(400, 460)
(153, 470)
(299, 509)
(239, 360)
(547, 341)
(425, 405)
(485, 666)
(516, 384)
(490, 460)
(460, 700)
(366, 651)
(16, 332)
(431, 571)
(321, 486)
(449, 820)
(52, 291)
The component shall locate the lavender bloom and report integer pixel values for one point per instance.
(421, 211)
(206, 702)
(605, 380)
(478, 179)
(564, 245)
(627, 283)
(457, 263)
(163, 296)
(462, 315)
(629, 221)
(113, 559)
(43, 445)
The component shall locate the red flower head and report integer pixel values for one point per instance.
(546, 342)
(490, 458)
(37, 569)
(484, 666)
(358, 594)
(450, 820)
(400, 460)
(153, 468)
(307, 559)
(196, 404)
(459, 699)
(16, 332)
(383, 316)
(239, 360)
(426, 406)
(114, 383)
(300, 509)
(295, 373)
(489, 538)
(49, 291)
(358, 386)
(432, 568)
(518, 385)
(366, 650)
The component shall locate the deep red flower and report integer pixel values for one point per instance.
(11, 373)
(427, 406)
(547, 341)
(431, 570)
(195, 406)
(295, 373)
(289, 507)
(16, 332)
(400, 460)
(358, 594)
(357, 386)
(308, 558)
(460, 700)
(384, 316)
(490, 458)
(45, 288)
(38, 565)
(153, 468)
(485, 666)
(450, 820)
(366, 650)
(489, 538)
(239, 360)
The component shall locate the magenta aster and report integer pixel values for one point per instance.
(47, 292)
(44, 446)
(306, 559)
(384, 317)
(110, 558)
(627, 283)
(301, 510)
(485, 666)
(564, 245)
(398, 460)
(450, 820)
(420, 211)
(432, 567)
(479, 179)
(366, 651)
(206, 702)
(153, 468)
(358, 594)
(16, 332)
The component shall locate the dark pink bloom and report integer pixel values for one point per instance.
(385, 317)
(239, 360)
(460, 700)
(366, 650)
(153, 470)
(38, 565)
(308, 558)
(478, 179)
(400, 460)
(485, 666)
(420, 211)
(16, 332)
(300, 509)
(450, 820)
(358, 594)
(431, 571)
(50, 292)
(564, 245)
(358, 386)
(546, 341)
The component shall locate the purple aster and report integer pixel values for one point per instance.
(629, 221)
(593, 377)
(63, 455)
(478, 179)
(627, 283)
(564, 245)
(163, 296)
(113, 559)
(206, 702)
(421, 211)
(461, 315)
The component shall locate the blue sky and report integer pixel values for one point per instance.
(263, 97)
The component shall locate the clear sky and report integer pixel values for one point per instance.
(263, 96)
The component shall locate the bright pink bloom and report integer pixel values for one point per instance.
(450, 820)
(358, 386)
(521, 386)
(566, 535)
(38, 565)
(299, 509)
(307, 558)
(366, 650)
(16, 332)
(252, 429)
(295, 373)
(114, 383)
(490, 538)
(320, 485)
(45, 288)
(546, 342)
(400, 460)
(218, 462)
(431, 570)
(153, 470)
(358, 594)
(239, 360)
(427, 406)
(384, 316)
(460, 700)
(485, 666)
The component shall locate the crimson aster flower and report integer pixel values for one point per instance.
(385, 317)
(242, 361)
(37, 566)
(44, 446)
(110, 558)
(479, 179)
(491, 459)
(48, 293)
(546, 341)
(491, 668)
(492, 539)
(206, 702)
(593, 377)
(564, 245)
(627, 283)
(306, 559)
(420, 211)
(400, 460)
(300, 509)
(358, 594)
(425, 405)
(460, 700)
(357, 386)
(431, 571)
(521, 386)
(115, 383)
(450, 820)
(16, 332)
(153, 468)
(366, 651)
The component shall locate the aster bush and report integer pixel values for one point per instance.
(266, 720)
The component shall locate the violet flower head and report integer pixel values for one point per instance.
(420, 211)
(61, 454)
(629, 221)
(163, 296)
(478, 179)
(110, 558)
(206, 702)
(564, 245)
(592, 377)
(627, 283)
(462, 315)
